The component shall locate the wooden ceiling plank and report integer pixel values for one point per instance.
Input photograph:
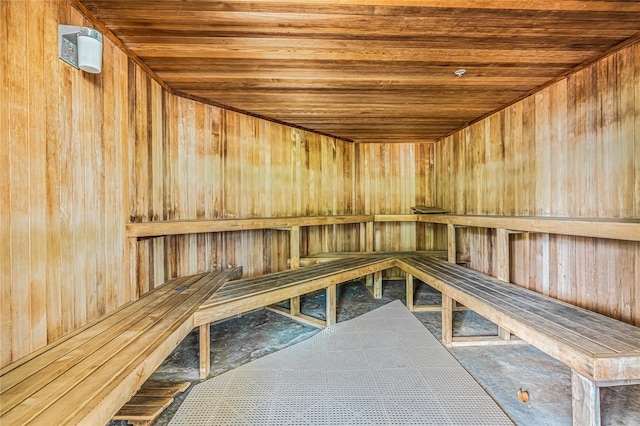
(364, 70)
(339, 6)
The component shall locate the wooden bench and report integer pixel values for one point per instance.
(331, 256)
(85, 377)
(237, 297)
(600, 351)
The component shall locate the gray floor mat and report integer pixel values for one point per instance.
(381, 368)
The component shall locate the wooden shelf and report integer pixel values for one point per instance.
(176, 227)
(617, 229)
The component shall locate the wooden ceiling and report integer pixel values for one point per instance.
(366, 70)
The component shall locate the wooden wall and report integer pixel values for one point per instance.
(393, 178)
(63, 167)
(220, 164)
(82, 155)
(571, 150)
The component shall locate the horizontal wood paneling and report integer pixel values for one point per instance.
(571, 150)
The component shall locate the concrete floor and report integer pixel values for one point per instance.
(500, 370)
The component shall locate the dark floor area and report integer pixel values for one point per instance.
(501, 370)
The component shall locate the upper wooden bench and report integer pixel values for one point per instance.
(600, 351)
(85, 377)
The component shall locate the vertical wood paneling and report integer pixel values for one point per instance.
(6, 332)
(64, 177)
(18, 179)
(220, 164)
(391, 179)
(570, 150)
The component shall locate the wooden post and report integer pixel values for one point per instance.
(131, 274)
(331, 305)
(294, 305)
(502, 250)
(370, 238)
(409, 280)
(503, 272)
(585, 396)
(377, 285)
(205, 351)
(447, 320)
(370, 241)
(294, 247)
(451, 243)
(294, 255)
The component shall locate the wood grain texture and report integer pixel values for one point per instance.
(67, 132)
(368, 71)
(569, 151)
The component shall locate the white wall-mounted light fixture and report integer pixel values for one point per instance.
(80, 47)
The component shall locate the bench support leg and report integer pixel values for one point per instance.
(585, 396)
(447, 320)
(409, 280)
(294, 306)
(205, 351)
(369, 281)
(377, 285)
(504, 334)
(331, 305)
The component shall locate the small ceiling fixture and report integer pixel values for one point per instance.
(460, 72)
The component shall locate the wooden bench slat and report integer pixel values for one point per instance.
(551, 311)
(480, 303)
(145, 355)
(234, 290)
(593, 318)
(48, 394)
(143, 412)
(345, 254)
(99, 386)
(598, 363)
(290, 284)
(569, 314)
(60, 355)
(291, 275)
(143, 401)
(57, 347)
(88, 355)
(487, 296)
(153, 387)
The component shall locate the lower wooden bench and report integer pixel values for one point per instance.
(85, 377)
(237, 297)
(600, 351)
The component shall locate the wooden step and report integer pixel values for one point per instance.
(150, 401)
